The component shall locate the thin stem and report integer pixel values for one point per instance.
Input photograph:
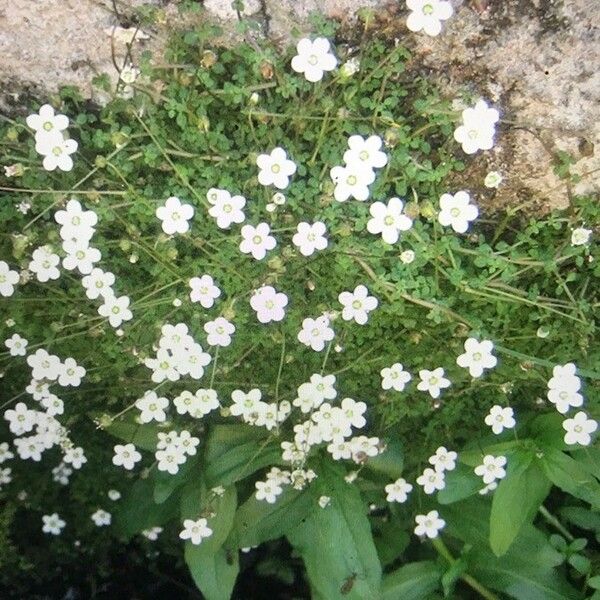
(214, 369)
(552, 520)
(280, 370)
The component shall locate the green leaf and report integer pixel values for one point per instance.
(141, 436)
(460, 484)
(236, 451)
(165, 483)
(580, 563)
(391, 540)
(390, 462)
(257, 521)
(581, 517)
(516, 500)
(213, 563)
(415, 581)
(571, 477)
(451, 576)
(335, 542)
(138, 511)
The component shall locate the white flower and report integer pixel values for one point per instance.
(126, 456)
(563, 388)
(314, 58)
(61, 473)
(206, 402)
(365, 153)
(431, 480)
(579, 429)
(114, 495)
(275, 168)
(80, 256)
(98, 283)
(427, 15)
(53, 524)
(580, 236)
(170, 458)
(477, 357)
(324, 501)
(353, 412)
(44, 365)
(478, 128)
(8, 279)
(56, 152)
(269, 304)
(46, 123)
(44, 264)
(443, 460)
(350, 67)
(129, 74)
(71, 373)
(267, 490)
(324, 385)
(310, 237)
(5, 453)
(195, 531)
(23, 207)
(398, 491)
(219, 332)
(492, 468)
(245, 404)
(490, 487)
(5, 476)
(175, 216)
(388, 220)
(315, 333)
(308, 398)
(101, 518)
(433, 381)
(204, 290)
(226, 209)
(152, 533)
(77, 224)
(21, 420)
(352, 181)
(116, 310)
(38, 389)
(164, 366)
(394, 377)
(492, 180)
(75, 457)
(429, 524)
(152, 407)
(457, 211)
(500, 418)
(256, 240)
(17, 345)
(357, 304)
(191, 361)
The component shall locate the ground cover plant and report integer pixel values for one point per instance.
(249, 308)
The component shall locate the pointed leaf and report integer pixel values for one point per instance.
(415, 581)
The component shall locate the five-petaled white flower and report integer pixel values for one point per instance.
(44, 264)
(443, 460)
(70, 373)
(398, 491)
(314, 58)
(98, 283)
(315, 332)
(76, 223)
(204, 290)
(275, 168)
(80, 256)
(17, 345)
(101, 518)
(152, 407)
(44, 365)
(457, 211)
(116, 310)
(429, 525)
(477, 357)
(175, 216)
(433, 381)
(478, 128)
(126, 456)
(46, 123)
(357, 304)
(219, 332)
(580, 236)
(56, 152)
(226, 209)
(269, 304)
(579, 429)
(492, 468)
(365, 152)
(8, 280)
(352, 181)
(500, 418)
(564, 387)
(52, 524)
(388, 220)
(268, 490)
(309, 238)
(257, 241)
(245, 404)
(431, 480)
(427, 15)
(195, 531)
(394, 377)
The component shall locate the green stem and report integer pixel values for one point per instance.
(552, 520)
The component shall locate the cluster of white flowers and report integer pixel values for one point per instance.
(197, 405)
(51, 138)
(173, 449)
(177, 355)
(432, 480)
(254, 411)
(362, 157)
(478, 128)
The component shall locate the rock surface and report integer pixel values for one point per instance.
(537, 60)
